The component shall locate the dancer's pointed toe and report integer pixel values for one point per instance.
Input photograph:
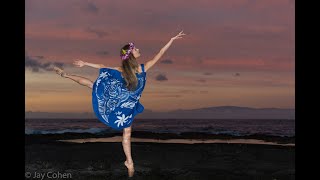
(130, 168)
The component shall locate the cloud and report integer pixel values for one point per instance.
(91, 7)
(204, 92)
(201, 80)
(166, 61)
(102, 53)
(97, 32)
(236, 74)
(161, 77)
(187, 91)
(53, 91)
(36, 66)
(247, 34)
(39, 57)
(169, 95)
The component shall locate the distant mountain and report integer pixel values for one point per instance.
(220, 112)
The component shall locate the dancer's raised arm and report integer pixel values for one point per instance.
(80, 63)
(150, 63)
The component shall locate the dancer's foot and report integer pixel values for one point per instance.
(60, 71)
(130, 168)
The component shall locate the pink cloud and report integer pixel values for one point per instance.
(224, 37)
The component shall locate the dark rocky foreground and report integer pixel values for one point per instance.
(154, 161)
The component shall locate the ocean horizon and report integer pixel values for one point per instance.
(234, 127)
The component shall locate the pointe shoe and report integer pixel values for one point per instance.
(130, 168)
(60, 71)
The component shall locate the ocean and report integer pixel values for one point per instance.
(234, 127)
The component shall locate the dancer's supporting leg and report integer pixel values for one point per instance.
(126, 143)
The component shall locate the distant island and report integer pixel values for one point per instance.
(219, 112)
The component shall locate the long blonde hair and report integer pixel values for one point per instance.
(129, 67)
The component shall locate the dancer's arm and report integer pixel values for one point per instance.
(150, 63)
(80, 63)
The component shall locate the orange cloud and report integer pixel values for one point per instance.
(252, 38)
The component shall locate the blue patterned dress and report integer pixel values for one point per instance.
(112, 102)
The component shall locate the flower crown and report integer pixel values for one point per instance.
(125, 54)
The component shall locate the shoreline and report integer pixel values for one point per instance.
(161, 136)
(178, 141)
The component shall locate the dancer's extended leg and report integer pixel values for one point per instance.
(81, 80)
(126, 143)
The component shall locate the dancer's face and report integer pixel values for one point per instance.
(136, 52)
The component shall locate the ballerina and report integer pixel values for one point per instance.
(117, 90)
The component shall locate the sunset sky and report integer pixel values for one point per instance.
(236, 53)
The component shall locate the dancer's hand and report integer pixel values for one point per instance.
(79, 63)
(178, 36)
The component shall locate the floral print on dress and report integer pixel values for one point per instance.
(122, 119)
(129, 105)
(113, 103)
